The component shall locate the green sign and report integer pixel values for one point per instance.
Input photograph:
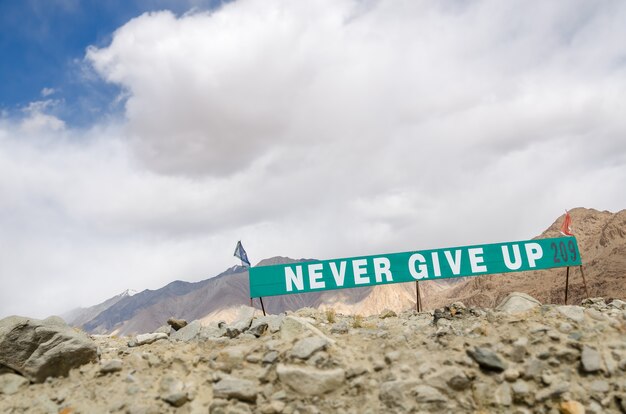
(411, 266)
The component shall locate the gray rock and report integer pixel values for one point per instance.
(187, 333)
(270, 357)
(274, 322)
(339, 328)
(212, 331)
(599, 386)
(511, 374)
(459, 382)
(176, 399)
(306, 347)
(502, 395)
(397, 395)
(427, 394)
(293, 327)
(166, 329)
(517, 302)
(387, 313)
(596, 314)
(595, 302)
(552, 391)
(533, 368)
(565, 327)
(172, 391)
(40, 349)
(230, 358)
(575, 313)
(448, 377)
(590, 360)
(520, 349)
(176, 324)
(144, 339)
(520, 388)
(241, 323)
(240, 389)
(258, 327)
(109, 366)
(487, 359)
(310, 381)
(356, 371)
(618, 304)
(12, 383)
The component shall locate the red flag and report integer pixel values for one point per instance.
(566, 228)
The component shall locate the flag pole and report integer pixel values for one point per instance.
(566, 283)
(418, 304)
(584, 282)
(262, 307)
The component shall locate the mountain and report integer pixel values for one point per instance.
(601, 238)
(80, 316)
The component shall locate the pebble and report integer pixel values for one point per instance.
(111, 365)
(310, 381)
(590, 360)
(571, 407)
(387, 313)
(599, 386)
(427, 394)
(11, 383)
(511, 374)
(240, 389)
(552, 391)
(487, 359)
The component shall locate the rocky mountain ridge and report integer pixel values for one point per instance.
(601, 237)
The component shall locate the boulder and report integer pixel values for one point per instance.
(293, 327)
(144, 339)
(176, 324)
(39, 349)
(187, 333)
(306, 347)
(166, 329)
(241, 323)
(517, 302)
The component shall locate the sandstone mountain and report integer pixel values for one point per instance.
(601, 238)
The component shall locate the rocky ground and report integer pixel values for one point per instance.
(522, 357)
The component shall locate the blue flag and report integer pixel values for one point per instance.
(241, 254)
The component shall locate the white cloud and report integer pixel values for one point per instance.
(317, 129)
(45, 92)
(37, 119)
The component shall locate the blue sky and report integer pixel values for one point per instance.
(43, 43)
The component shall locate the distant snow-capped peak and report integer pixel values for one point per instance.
(129, 292)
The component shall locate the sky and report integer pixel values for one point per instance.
(140, 140)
